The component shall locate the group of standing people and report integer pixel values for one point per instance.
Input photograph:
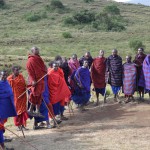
(48, 90)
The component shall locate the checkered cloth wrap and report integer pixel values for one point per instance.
(129, 78)
(146, 72)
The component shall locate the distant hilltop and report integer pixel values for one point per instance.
(143, 2)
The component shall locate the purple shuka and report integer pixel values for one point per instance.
(129, 78)
(146, 72)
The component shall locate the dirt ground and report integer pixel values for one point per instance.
(110, 127)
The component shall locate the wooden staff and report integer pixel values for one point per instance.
(19, 137)
(53, 117)
(31, 86)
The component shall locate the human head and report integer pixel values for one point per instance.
(15, 70)
(3, 75)
(101, 53)
(74, 56)
(85, 63)
(128, 59)
(140, 50)
(55, 66)
(58, 57)
(35, 51)
(87, 55)
(114, 52)
(51, 64)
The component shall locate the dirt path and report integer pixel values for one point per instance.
(112, 127)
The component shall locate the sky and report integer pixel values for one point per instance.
(121, 0)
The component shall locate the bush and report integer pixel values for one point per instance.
(88, 1)
(69, 20)
(84, 16)
(2, 3)
(66, 35)
(112, 9)
(33, 16)
(135, 44)
(55, 4)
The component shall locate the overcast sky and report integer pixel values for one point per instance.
(121, 0)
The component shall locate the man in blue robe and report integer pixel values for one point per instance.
(81, 95)
(7, 107)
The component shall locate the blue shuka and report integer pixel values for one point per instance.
(43, 108)
(82, 95)
(7, 107)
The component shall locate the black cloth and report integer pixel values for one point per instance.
(114, 66)
(90, 61)
(66, 70)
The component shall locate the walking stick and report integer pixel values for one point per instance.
(51, 114)
(71, 109)
(31, 86)
(23, 132)
(19, 137)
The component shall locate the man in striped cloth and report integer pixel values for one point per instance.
(114, 67)
(129, 79)
(139, 58)
(146, 72)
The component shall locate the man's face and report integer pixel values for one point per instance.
(85, 64)
(16, 71)
(3, 75)
(55, 67)
(128, 59)
(101, 53)
(74, 57)
(35, 51)
(87, 55)
(114, 53)
(140, 51)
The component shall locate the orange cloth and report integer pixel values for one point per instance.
(18, 86)
(59, 91)
(36, 70)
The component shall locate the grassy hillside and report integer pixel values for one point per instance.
(18, 35)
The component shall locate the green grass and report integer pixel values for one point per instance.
(18, 35)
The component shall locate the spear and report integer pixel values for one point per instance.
(36, 83)
(19, 137)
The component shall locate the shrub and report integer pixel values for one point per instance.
(66, 35)
(56, 4)
(33, 16)
(88, 1)
(135, 44)
(84, 16)
(2, 3)
(112, 9)
(69, 20)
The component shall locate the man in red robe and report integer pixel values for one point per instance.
(98, 70)
(59, 91)
(36, 70)
(17, 82)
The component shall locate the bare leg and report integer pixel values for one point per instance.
(97, 96)
(31, 108)
(115, 97)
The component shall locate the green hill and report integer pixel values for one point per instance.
(18, 35)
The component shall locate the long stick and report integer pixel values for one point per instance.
(31, 86)
(23, 132)
(51, 114)
(19, 137)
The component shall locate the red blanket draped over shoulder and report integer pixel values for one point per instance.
(36, 70)
(98, 70)
(19, 86)
(59, 91)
